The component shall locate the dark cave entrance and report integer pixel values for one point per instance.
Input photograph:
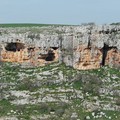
(54, 48)
(14, 46)
(105, 50)
(31, 48)
(50, 56)
(47, 57)
(104, 53)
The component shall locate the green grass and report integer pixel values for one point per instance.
(85, 81)
(28, 25)
(26, 111)
(23, 25)
(5, 107)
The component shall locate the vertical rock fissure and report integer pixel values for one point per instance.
(104, 54)
(89, 39)
(60, 49)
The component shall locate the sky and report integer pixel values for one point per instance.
(72, 12)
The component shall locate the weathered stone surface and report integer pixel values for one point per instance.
(82, 47)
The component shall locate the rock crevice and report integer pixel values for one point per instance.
(82, 47)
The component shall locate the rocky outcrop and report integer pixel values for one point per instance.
(82, 47)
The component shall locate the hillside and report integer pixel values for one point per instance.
(58, 92)
(59, 72)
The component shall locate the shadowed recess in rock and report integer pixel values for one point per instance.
(105, 50)
(54, 48)
(14, 46)
(51, 56)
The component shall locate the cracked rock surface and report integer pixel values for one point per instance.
(82, 47)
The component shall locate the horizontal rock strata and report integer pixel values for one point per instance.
(82, 47)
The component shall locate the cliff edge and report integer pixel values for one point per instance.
(82, 47)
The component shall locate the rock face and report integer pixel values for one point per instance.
(82, 47)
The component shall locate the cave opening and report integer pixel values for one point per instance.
(54, 48)
(31, 48)
(50, 56)
(14, 46)
(105, 50)
(104, 53)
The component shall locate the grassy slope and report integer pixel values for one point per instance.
(35, 80)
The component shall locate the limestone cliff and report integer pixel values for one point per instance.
(82, 47)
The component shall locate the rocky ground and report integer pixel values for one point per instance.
(58, 92)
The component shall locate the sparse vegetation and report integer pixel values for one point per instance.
(56, 91)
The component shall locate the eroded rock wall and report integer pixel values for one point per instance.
(30, 55)
(82, 47)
